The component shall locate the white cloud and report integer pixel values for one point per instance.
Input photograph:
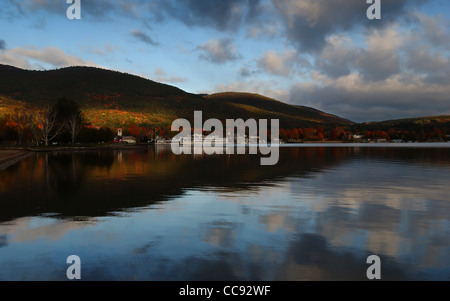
(32, 58)
(278, 63)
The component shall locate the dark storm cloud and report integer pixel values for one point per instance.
(434, 66)
(93, 9)
(434, 29)
(353, 98)
(398, 73)
(309, 22)
(219, 14)
(139, 35)
(426, 51)
(378, 61)
(378, 65)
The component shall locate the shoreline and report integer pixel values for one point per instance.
(12, 155)
(9, 157)
(87, 148)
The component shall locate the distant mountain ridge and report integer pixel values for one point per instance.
(113, 99)
(413, 120)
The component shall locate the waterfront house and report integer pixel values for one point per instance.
(129, 140)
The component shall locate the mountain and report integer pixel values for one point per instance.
(268, 105)
(430, 128)
(115, 99)
(425, 124)
(418, 121)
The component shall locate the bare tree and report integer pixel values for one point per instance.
(73, 124)
(45, 125)
(51, 127)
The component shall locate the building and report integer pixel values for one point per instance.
(129, 140)
(119, 135)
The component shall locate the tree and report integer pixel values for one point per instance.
(46, 125)
(337, 133)
(34, 128)
(105, 134)
(7, 132)
(21, 117)
(51, 126)
(69, 114)
(320, 136)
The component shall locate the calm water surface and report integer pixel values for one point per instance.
(151, 215)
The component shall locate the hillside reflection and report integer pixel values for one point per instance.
(99, 183)
(316, 215)
(89, 184)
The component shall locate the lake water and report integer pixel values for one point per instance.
(151, 215)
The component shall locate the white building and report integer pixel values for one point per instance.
(129, 140)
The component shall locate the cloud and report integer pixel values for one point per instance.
(308, 23)
(42, 5)
(354, 98)
(160, 72)
(263, 30)
(219, 51)
(93, 10)
(337, 57)
(278, 63)
(32, 58)
(139, 35)
(426, 50)
(420, 60)
(360, 69)
(245, 71)
(161, 76)
(221, 15)
(434, 67)
(434, 30)
(30, 229)
(380, 60)
(102, 50)
(395, 73)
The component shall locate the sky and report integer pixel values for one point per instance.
(325, 54)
